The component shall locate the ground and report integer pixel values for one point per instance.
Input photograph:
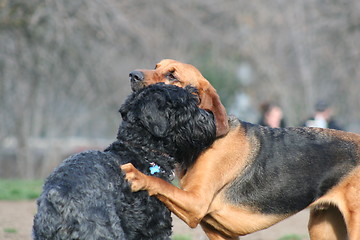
(16, 221)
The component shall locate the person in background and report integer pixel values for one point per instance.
(271, 115)
(323, 117)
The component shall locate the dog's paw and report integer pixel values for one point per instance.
(136, 179)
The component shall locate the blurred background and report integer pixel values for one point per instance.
(64, 65)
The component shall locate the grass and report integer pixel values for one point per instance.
(291, 237)
(181, 237)
(13, 190)
(10, 230)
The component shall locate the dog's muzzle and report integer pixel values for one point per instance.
(137, 80)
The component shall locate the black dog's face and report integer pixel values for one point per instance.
(172, 113)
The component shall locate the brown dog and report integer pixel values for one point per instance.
(255, 176)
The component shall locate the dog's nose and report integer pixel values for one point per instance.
(136, 76)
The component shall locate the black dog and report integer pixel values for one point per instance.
(87, 197)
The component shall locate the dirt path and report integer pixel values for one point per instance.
(16, 221)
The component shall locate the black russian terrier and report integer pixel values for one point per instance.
(87, 197)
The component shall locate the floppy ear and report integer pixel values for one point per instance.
(125, 107)
(210, 101)
(153, 119)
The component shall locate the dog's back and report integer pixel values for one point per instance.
(78, 200)
(86, 197)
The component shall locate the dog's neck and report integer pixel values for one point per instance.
(147, 149)
(153, 162)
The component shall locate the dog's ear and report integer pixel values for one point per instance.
(123, 111)
(153, 116)
(210, 101)
(126, 107)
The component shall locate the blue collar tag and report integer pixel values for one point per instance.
(154, 169)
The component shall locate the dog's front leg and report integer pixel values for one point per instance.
(190, 205)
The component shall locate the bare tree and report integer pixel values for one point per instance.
(64, 63)
(58, 70)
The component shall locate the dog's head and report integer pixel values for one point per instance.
(180, 74)
(170, 114)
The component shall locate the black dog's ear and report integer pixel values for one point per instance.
(125, 107)
(123, 110)
(154, 116)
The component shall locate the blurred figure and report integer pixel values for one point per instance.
(271, 115)
(322, 117)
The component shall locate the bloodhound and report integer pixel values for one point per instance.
(254, 176)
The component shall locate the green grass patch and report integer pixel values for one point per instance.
(10, 230)
(20, 189)
(181, 237)
(291, 237)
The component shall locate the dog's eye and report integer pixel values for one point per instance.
(171, 77)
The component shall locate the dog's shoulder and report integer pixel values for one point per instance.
(233, 121)
(89, 159)
(78, 170)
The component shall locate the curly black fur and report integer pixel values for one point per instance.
(86, 197)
